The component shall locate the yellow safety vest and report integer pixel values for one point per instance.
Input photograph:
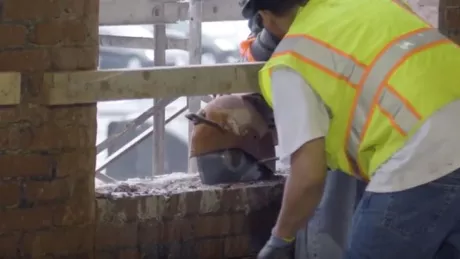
(380, 70)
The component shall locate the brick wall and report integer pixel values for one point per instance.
(48, 208)
(47, 155)
(208, 223)
(449, 18)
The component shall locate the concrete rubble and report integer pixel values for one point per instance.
(160, 185)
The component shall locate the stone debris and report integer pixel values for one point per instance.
(160, 185)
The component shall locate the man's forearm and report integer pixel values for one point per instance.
(303, 190)
(299, 204)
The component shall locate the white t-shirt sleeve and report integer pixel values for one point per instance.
(300, 115)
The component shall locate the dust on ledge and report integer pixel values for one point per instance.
(166, 185)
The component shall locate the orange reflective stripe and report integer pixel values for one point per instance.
(350, 148)
(391, 119)
(326, 45)
(382, 86)
(340, 65)
(367, 72)
(332, 73)
(371, 82)
(405, 101)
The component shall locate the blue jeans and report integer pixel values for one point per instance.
(418, 223)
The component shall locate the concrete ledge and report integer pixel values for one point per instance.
(93, 86)
(192, 221)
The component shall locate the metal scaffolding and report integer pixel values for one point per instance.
(158, 13)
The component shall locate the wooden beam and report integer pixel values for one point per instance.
(138, 43)
(93, 86)
(10, 88)
(124, 12)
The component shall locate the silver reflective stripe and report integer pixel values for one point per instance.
(323, 56)
(402, 116)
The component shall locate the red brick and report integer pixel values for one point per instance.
(181, 250)
(261, 196)
(128, 254)
(80, 208)
(26, 10)
(9, 244)
(454, 35)
(211, 201)
(150, 232)
(84, 115)
(212, 226)
(165, 231)
(451, 17)
(17, 136)
(170, 205)
(26, 219)
(33, 114)
(239, 223)
(75, 58)
(234, 200)
(105, 255)
(178, 230)
(159, 206)
(76, 162)
(60, 31)
(9, 194)
(72, 136)
(115, 236)
(114, 211)
(37, 191)
(16, 35)
(448, 3)
(63, 241)
(25, 165)
(39, 130)
(237, 246)
(72, 213)
(210, 249)
(189, 202)
(56, 218)
(25, 60)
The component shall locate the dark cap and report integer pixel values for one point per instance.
(247, 8)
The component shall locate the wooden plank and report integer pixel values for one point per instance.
(108, 85)
(139, 43)
(124, 12)
(10, 88)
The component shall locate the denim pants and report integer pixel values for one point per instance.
(327, 231)
(418, 223)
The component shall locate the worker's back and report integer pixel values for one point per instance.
(370, 53)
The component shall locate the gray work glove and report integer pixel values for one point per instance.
(276, 248)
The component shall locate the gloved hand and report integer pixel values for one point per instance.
(277, 248)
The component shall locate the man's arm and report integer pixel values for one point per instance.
(303, 189)
(302, 122)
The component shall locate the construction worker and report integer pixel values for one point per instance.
(325, 236)
(234, 133)
(371, 89)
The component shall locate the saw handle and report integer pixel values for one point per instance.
(200, 118)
